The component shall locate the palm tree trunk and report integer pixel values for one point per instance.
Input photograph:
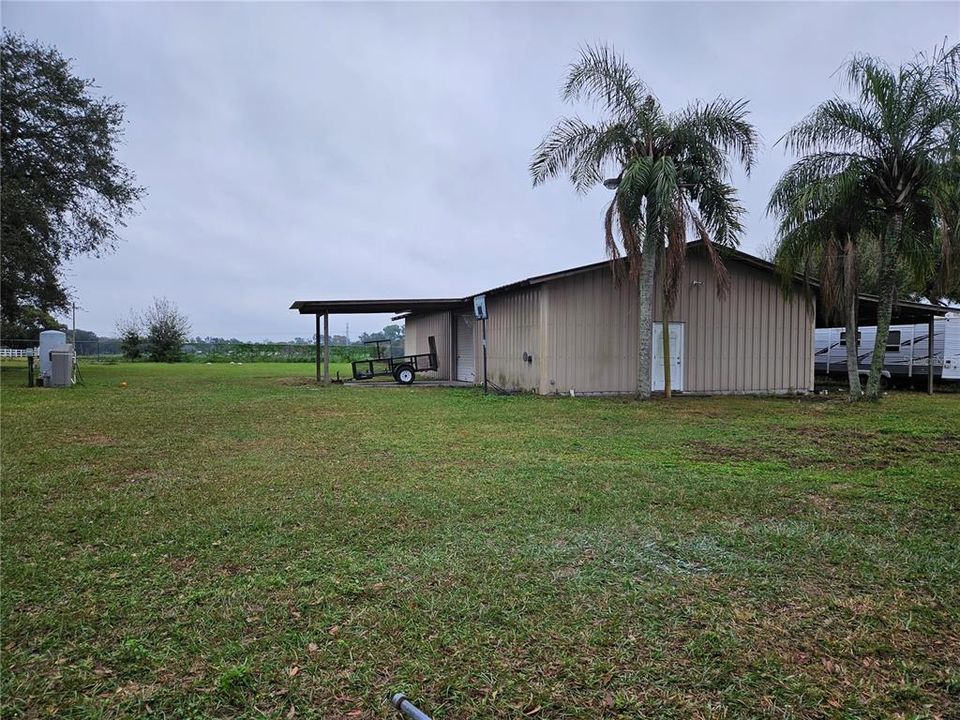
(852, 300)
(853, 357)
(646, 291)
(887, 290)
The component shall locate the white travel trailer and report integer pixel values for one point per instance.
(906, 358)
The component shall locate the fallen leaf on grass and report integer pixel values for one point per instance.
(291, 712)
(312, 647)
(831, 667)
(294, 671)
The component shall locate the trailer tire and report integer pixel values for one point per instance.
(404, 375)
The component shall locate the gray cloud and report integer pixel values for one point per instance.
(361, 150)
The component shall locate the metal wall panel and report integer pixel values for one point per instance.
(754, 340)
(589, 335)
(513, 328)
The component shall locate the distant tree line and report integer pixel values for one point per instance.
(152, 335)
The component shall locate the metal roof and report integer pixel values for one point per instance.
(903, 311)
(692, 245)
(349, 307)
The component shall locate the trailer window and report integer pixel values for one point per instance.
(893, 341)
(843, 338)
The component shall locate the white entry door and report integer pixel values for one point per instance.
(465, 365)
(676, 357)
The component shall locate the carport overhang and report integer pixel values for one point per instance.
(904, 312)
(396, 307)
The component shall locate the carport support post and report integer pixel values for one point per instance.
(930, 357)
(326, 347)
(317, 343)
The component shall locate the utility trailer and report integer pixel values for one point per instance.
(906, 357)
(402, 368)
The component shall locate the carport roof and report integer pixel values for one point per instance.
(904, 312)
(398, 306)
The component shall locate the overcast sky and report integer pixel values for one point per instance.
(303, 151)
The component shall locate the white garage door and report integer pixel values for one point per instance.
(465, 366)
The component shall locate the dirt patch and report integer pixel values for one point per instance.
(297, 381)
(135, 690)
(819, 447)
(94, 440)
(232, 570)
(821, 503)
(182, 564)
(141, 476)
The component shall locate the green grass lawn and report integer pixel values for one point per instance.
(235, 541)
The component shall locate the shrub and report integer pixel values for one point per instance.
(167, 330)
(131, 335)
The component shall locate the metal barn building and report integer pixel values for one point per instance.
(577, 330)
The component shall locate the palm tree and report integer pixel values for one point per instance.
(671, 174)
(943, 280)
(890, 148)
(824, 240)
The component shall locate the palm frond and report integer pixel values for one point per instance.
(598, 157)
(623, 234)
(603, 77)
(721, 125)
(559, 149)
(836, 125)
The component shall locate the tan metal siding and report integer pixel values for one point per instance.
(582, 332)
(418, 329)
(513, 328)
(590, 334)
(755, 340)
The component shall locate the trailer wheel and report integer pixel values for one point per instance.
(404, 375)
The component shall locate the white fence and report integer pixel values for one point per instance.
(16, 353)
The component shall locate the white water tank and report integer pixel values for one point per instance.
(49, 339)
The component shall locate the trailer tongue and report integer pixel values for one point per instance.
(402, 368)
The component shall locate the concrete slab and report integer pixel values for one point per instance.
(416, 384)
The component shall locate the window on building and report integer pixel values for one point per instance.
(843, 338)
(893, 341)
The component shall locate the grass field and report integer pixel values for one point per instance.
(235, 541)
